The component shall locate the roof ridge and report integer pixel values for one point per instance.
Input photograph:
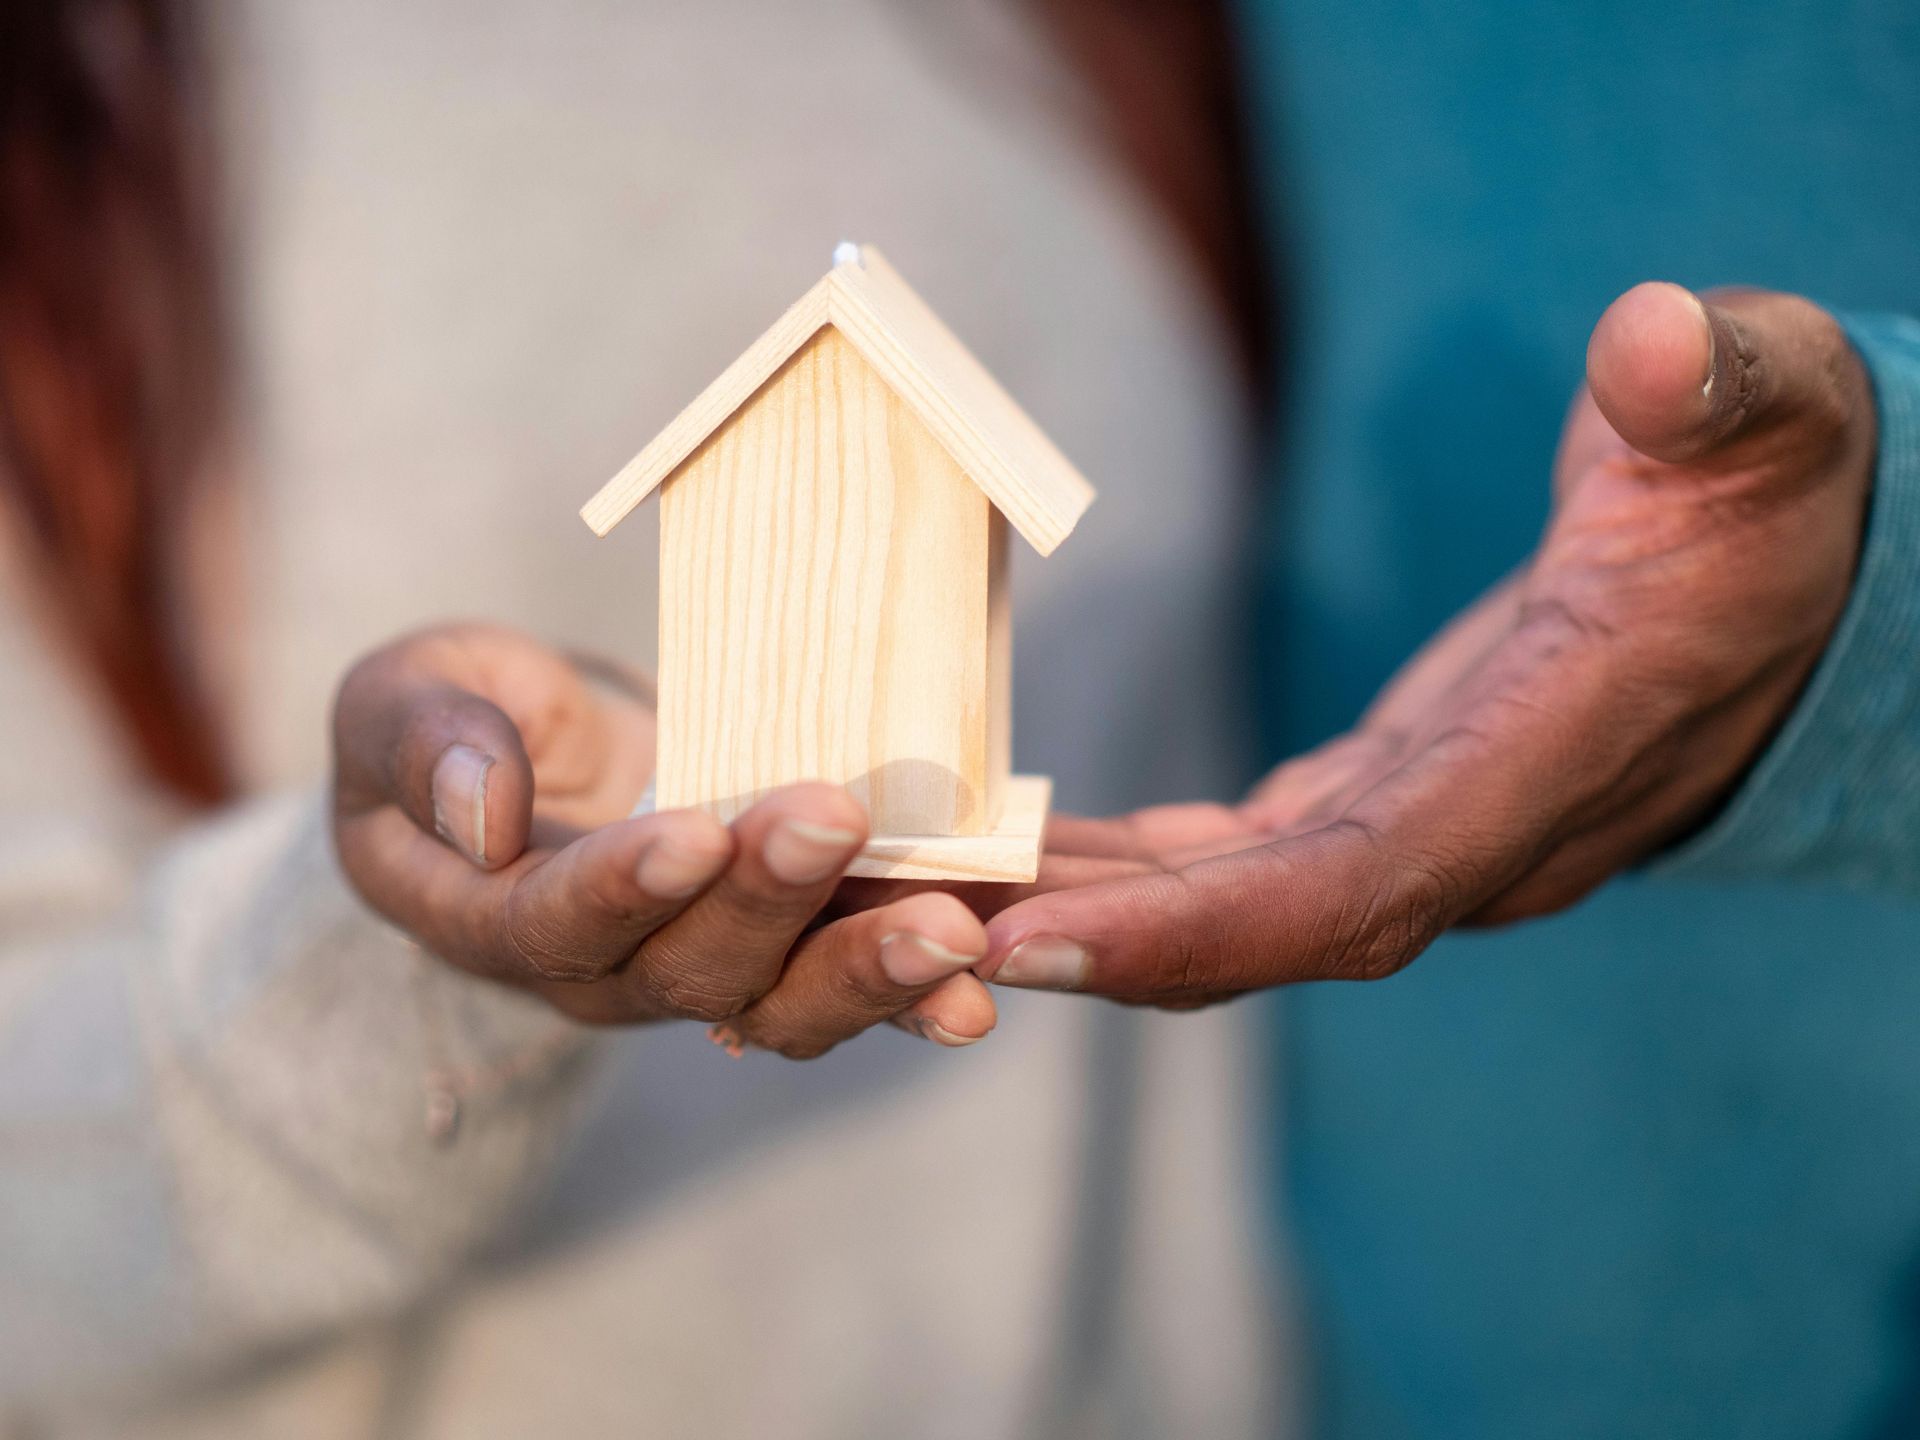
(993, 441)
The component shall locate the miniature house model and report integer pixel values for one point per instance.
(833, 577)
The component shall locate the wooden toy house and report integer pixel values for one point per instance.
(833, 577)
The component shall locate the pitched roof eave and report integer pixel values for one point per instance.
(666, 452)
(989, 437)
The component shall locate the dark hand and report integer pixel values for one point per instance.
(481, 794)
(1710, 495)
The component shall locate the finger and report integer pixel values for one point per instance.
(454, 764)
(726, 949)
(850, 976)
(1725, 382)
(984, 898)
(587, 910)
(1454, 825)
(412, 728)
(1311, 788)
(563, 916)
(958, 1013)
(1328, 905)
(1145, 835)
(1299, 793)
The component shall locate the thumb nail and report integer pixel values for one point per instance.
(911, 961)
(1713, 343)
(1045, 962)
(460, 800)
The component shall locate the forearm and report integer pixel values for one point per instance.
(248, 1113)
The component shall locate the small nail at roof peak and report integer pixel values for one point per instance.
(846, 253)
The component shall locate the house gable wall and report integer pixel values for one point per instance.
(832, 607)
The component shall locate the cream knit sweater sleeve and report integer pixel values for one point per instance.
(237, 1111)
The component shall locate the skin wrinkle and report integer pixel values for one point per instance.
(1611, 694)
(1404, 898)
(1540, 744)
(539, 943)
(836, 985)
(1529, 897)
(562, 914)
(709, 983)
(1189, 960)
(1731, 406)
(690, 995)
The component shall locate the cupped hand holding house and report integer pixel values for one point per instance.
(483, 793)
(834, 614)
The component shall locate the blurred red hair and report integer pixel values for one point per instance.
(111, 349)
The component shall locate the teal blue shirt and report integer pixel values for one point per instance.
(1650, 1168)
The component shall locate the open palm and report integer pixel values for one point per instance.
(1597, 705)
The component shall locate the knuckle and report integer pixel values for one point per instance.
(693, 992)
(542, 945)
(754, 914)
(1207, 953)
(609, 898)
(859, 988)
(1403, 910)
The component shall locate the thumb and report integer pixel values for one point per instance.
(1737, 378)
(411, 730)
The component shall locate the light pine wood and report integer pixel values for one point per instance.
(831, 608)
(668, 450)
(999, 665)
(991, 437)
(834, 548)
(962, 406)
(1010, 852)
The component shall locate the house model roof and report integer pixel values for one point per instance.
(963, 407)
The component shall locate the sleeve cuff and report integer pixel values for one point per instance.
(1836, 797)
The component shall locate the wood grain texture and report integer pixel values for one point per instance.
(827, 608)
(1010, 852)
(991, 438)
(952, 394)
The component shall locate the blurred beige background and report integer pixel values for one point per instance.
(488, 249)
(495, 246)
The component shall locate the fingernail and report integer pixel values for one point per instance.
(911, 960)
(459, 789)
(671, 871)
(1046, 962)
(801, 853)
(728, 1039)
(940, 1035)
(1713, 343)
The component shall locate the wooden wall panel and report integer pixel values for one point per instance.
(825, 607)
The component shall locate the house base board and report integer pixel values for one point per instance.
(1010, 851)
